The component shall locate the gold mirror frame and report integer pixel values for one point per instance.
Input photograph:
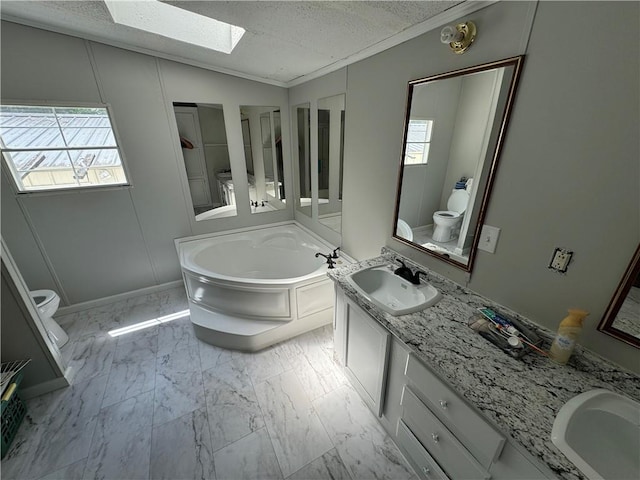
(516, 63)
(607, 324)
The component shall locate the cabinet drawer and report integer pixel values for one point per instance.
(424, 465)
(443, 446)
(480, 437)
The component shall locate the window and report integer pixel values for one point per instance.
(52, 148)
(418, 142)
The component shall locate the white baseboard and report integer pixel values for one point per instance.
(42, 388)
(79, 307)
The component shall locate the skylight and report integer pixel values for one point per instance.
(173, 22)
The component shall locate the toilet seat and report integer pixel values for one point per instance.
(456, 205)
(47, 297)
(404, 230)
(447, 214)
(47, 302)
(447, 222)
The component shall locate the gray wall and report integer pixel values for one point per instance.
(93, 244)
(569, 172)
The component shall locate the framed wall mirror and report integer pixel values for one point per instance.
(263, 157)
(203, 139)
(622, 317)
(331, 112)
(455, 125)
(301, 115)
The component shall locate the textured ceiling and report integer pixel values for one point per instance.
(284, 40)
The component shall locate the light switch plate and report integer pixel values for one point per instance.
(489, 238)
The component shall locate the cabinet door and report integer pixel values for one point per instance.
(366, 356)
(340, 326)
(398, 354)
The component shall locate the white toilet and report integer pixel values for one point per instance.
(47, 302)
(404, 230)
(447, 222)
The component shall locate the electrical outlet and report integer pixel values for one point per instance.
(489, 238)
(560, 260)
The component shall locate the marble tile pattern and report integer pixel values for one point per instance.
(158, 403)
(520, 396)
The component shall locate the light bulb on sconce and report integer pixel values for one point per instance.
(459, 37)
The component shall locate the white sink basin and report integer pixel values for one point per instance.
(599, 432)
(391, 293)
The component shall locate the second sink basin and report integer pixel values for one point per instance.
(599, 432)
(391, 293)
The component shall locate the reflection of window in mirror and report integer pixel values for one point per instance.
(418, 141)
(206, 159)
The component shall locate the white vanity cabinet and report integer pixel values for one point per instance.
(439, 433)
(365, 346)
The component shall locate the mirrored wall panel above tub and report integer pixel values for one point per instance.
(331, 112)
(454, 128)
(302, 157)
(203, 139)
(262, 136)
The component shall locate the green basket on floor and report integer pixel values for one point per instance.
(13, 411)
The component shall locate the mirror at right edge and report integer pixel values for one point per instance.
(454, 128)
(331, 115)
(622, 317)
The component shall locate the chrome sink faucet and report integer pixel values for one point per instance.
(329, 258)
(406, 273)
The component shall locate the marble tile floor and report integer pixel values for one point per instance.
(157, 403)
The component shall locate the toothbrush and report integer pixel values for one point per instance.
(500, 320)
(508, 336)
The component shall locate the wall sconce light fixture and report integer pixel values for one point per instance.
(459, 37)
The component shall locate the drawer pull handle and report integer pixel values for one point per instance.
(426, 470)
(435, 437)
(444, 404)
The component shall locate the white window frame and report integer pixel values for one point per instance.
(9, 169)
(426, 144)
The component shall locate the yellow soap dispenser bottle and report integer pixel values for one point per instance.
(568, 332)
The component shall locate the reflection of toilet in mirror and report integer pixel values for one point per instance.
(447, 222)
(404, 230)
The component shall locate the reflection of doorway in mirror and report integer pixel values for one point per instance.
(205, 152)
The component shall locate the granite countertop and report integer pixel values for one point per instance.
(520, 396)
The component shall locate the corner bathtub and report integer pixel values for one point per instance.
(253, 289)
